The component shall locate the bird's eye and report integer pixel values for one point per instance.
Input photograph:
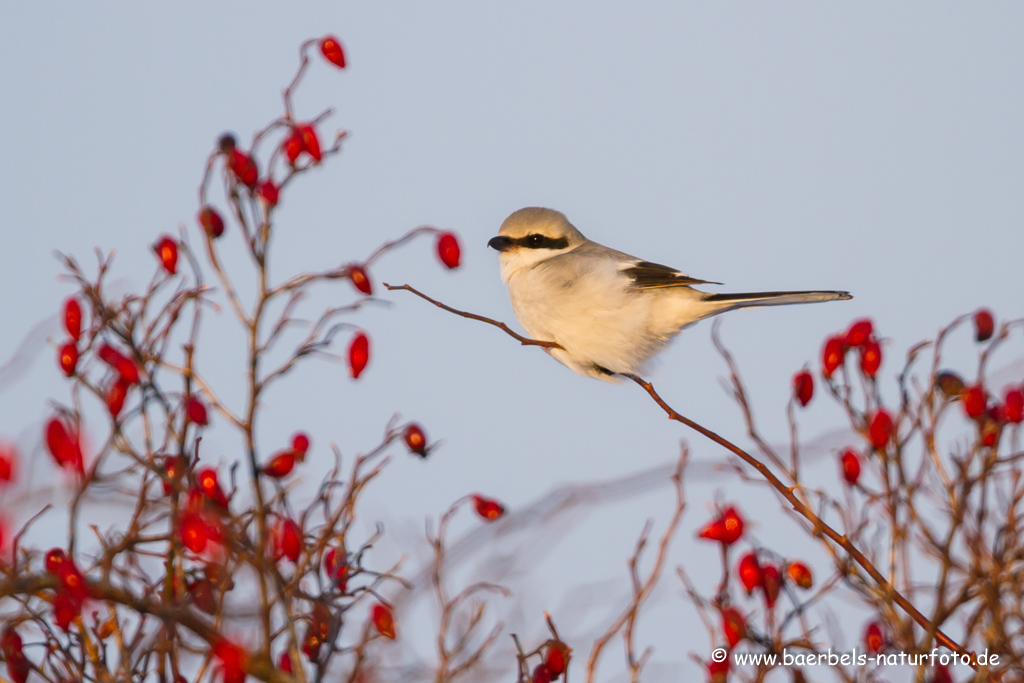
(536, 240)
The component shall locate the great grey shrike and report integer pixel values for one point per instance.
(610, 312)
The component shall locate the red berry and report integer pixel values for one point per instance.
(196, 411)
(383, 620)
(201, 592)
(173, 467)
(310, 141)
(280, 465)
(734, 626)
(195, 532)
(488, 508)
(771, 585)
(284, 662)
(859, 332)
(166, 249)
(243, 168)
(73, 317)
(803, 387)
(727, 529)
(67, 356)
(1013, 406)
(231, 661)
(880, 429)
(360, 279)
(733, 525)
(65, 609)
(800, 574)
(209, 486)
(8, 459)
(990, 430)
(55, 558)
(330, 48)
(292, 147)
(750, 572)
(415, 439)
(556, 657)
(984, 324)
(117, 392)
(269, 192)
(448, 249)
(832, 356)
(850, 463)
(63, 443)
(18, 666)
(211, 221)
(940, 674)
(718, 672)
(874, 638)
(974, 400)
(70, 581)
(336, 568)
(542, 674)
(11, 643)
(358, 354)
(300, 444)
(287, 539)
(870, 358)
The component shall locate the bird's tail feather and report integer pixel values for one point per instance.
(729, 302)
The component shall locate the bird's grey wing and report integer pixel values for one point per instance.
(647, 275)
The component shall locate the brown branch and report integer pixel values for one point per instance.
(819, 526)
(257, 664)
(525, 341)
(642, 589)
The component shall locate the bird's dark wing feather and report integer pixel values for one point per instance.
(647, 275)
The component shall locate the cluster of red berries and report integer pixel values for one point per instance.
(754, 573)
(988, 414)
(860, 336)
(67, 354)
(985, 410)
(200, 525)
(126, 372)
(282, 462)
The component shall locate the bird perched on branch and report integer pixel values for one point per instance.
(608, 311)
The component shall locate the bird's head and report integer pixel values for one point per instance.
(532, 235)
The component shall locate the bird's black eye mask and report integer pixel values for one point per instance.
(534, 241)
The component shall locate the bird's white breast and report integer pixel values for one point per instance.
(587, 306)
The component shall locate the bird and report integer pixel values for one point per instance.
(609, 313)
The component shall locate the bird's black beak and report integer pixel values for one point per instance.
(500, 243)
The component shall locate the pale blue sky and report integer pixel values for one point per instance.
(872, 147)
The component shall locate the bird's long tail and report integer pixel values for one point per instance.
(729, 302)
